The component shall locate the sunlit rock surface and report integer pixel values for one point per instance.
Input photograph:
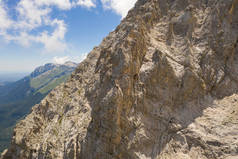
(163, 85)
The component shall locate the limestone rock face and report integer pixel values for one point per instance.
(163, 85)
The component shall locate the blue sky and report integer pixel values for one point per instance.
(35, 32)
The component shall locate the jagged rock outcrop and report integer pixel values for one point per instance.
(163, 85)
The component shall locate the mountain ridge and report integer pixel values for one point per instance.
(49, 66)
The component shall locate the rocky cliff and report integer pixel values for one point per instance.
(163, 85)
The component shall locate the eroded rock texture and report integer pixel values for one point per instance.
(163, 85)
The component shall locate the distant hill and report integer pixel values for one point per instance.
(17, 98)
(2, 83)
(9, 77)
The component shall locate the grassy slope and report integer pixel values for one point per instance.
(45, 78)
(52, 84)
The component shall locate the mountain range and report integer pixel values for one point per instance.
(17, 98)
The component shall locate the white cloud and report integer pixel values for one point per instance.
(5, 21)
(36, 14)
(61, 4)
(31, 15)
(35, 24)
(61, 60)
(54, 42)
(121, 7)
(86, 3)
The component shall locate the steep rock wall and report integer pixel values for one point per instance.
(162, 85)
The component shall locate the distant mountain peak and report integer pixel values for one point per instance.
(70, 64)
(49, 66)
(42, 69)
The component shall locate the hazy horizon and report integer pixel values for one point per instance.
(12, 76)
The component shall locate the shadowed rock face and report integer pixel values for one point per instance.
(163, 85)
